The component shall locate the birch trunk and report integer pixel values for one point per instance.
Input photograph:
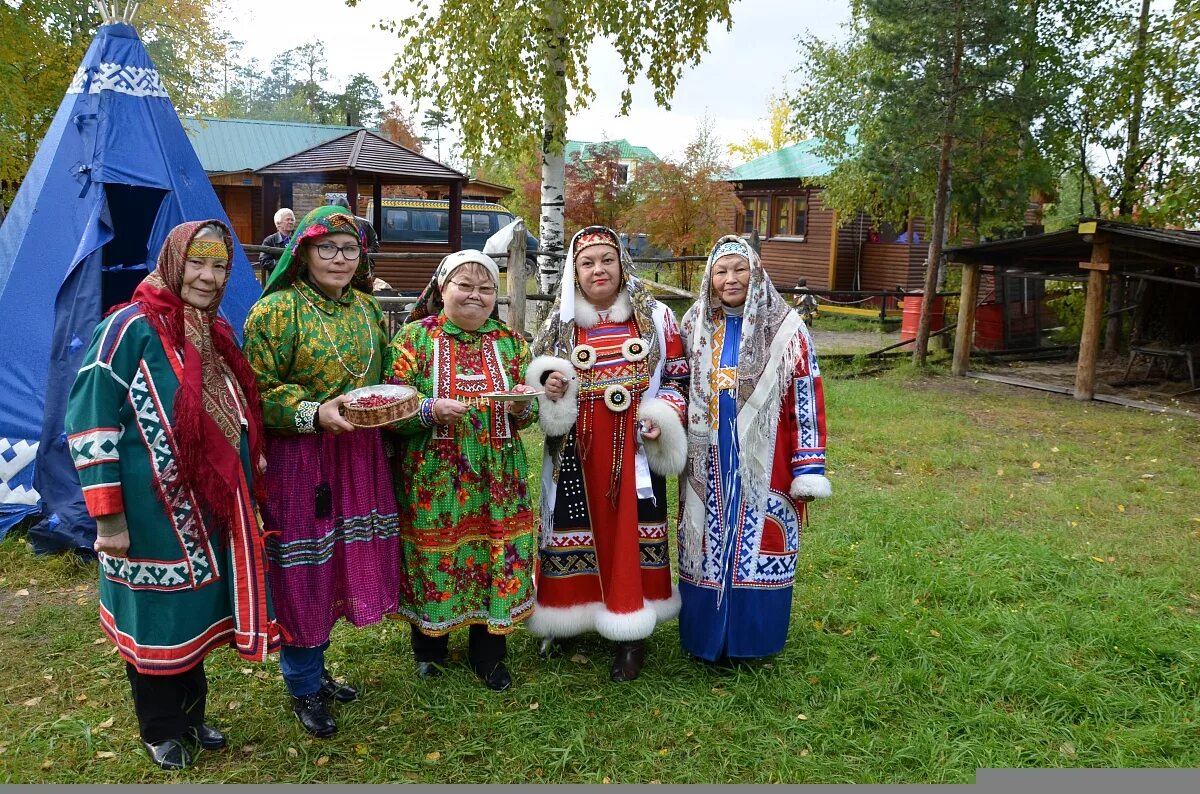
(552, 222)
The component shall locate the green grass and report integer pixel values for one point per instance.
(1002, 579)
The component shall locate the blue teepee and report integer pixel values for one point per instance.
(114, 174)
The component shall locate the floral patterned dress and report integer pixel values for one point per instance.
(467, 530)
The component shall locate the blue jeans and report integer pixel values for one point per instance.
(302, 668)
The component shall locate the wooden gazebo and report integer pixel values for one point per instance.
(356, 158)
(1095, 249)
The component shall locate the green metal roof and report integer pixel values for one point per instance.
(230, 145)
(797, 161)
(626, 150)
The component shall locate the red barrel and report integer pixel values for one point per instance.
(989, 326)
(912, 315)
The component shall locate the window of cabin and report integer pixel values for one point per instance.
(791, 215)
(799, 215)
(622, 175)
(757, 215)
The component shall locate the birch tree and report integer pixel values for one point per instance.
(506, 69)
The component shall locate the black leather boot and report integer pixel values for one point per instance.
(206, 736)
(332, 689)
(628, 660)
(169, 754)
(314, 716)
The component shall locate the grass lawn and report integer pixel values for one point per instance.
(1002, 579)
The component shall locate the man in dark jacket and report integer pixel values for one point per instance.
(285, 224)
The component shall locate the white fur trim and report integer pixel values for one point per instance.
(814, 485)
(586, 315)
(556, 417)
(626, 626)
(667, 608)
(667, 454)
(562, 621)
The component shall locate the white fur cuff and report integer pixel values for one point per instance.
(814, 485)
(626, 626)
(562, 621)
(556, 417)
(667, 454)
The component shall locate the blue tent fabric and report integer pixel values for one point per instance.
(113, 175)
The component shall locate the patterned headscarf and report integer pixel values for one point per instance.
(430, 301)
(319, 222)
(207, 413)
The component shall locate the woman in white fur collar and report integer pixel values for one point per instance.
(756, 409)
(611, 360)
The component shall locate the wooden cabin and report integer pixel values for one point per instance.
(800, 237)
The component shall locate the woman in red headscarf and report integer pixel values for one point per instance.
(165, 430)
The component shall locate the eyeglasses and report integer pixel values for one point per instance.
(484, 290)
(329, 250)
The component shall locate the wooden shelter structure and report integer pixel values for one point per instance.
(1095, 251)
(356, 158)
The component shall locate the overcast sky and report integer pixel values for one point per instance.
(731, 84)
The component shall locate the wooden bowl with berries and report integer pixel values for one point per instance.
(375, 406)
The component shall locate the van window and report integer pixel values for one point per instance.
(476, 223)
(394, 221)
(430, 220)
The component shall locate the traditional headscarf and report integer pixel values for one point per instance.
(557, 337)
(430, 301)
(319, 222)
(763, 319)
(207, 424)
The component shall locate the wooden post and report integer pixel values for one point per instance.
(964, 335)
(352, 192)
(833, 253)
(1093, 318)
(377, 212)
(516, 279)
(455, 231)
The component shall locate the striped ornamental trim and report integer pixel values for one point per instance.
(318, 551)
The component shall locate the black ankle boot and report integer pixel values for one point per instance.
(314, 716)
(628, 660)
(206, 736)
(332, 689)
(169, 754)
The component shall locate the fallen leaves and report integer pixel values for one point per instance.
(234, 705)
(579, 658)
(108, 723)
(534, 706)
(32, 701)
(1067, 749)
(323, 760)
(47, 764)
(434, 756)
(105, 754)
(22, 592)
(802, 717)
(934, 633)
(292, 752)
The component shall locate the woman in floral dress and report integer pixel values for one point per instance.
(467, 530)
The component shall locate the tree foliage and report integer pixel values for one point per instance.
(596, 193)
(43, 41)
(509, 69)
(780, 131)
(683, 205)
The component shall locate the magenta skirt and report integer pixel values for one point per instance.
(334, 550)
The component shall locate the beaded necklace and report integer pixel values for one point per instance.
(329, 336)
